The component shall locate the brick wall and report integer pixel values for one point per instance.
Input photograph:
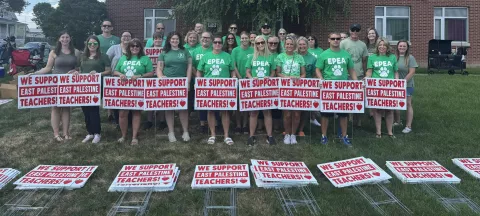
(421, 24)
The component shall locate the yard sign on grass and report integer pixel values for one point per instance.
(221, 176)
(421, 172)
(56, 176)
(470, 165)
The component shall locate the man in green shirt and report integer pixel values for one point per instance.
(335, 64)
(158, 28)
(233, 29)
(266, 30)
(106, 38)
(197, 54)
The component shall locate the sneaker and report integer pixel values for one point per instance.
(271, 140)
(171, 137)
(251, 141)
(87, 138)
(315, 122)
(147, 125)
(186, 136)
(395, 124)
(346, 141)
(96, 138)
(324, 140)
(407, 130)
(293, 139)
(287, 140)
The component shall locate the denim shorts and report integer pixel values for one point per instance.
(409, 91)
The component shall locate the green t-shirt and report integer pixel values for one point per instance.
(150, 42)
(335, 64)
(261, 67)
(237, 38)
(189, 48)
(290, 64)
(403, 70)
(216, 65)
(198, 54)
(135, 66)
(316, 51)
(87, 65)
(383, 66)
(106, 43)
(175, 62)
(239, 56)
(357, 50)
(310, 62)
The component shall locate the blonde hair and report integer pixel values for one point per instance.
(293, 41)
(256, 52)
(190, 33)
(385, 43)
(300, 39)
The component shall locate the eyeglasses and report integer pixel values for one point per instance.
(106, 26)
(217, 42)
(233, 28)
(335, 38)
(160, 28)
(231, 38)
(273, 43)
(261, 42)
(92, 43)
(311, 39)
(135, 46)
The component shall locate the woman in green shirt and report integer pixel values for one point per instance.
(260, 65)
(230, 43)
(282, 34)
(217, 64)
(175, 61)
(192, 41)
(133, 65)
(313, 47)
(290, 65)
(382, 64)
(92, 62)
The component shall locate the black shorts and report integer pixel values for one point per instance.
(324, 114)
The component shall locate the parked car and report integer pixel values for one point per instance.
(35, 48)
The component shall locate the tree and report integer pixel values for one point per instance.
(259, 11)
(14, 5)
(80, 18)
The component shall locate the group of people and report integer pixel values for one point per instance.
(243, 56)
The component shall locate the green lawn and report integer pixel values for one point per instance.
(445, 126)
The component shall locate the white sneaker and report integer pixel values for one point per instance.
(186, 136)
(293, 139)
(407, 130)
(171, 137)
(315, 122)
(96, 138)
(397, 124)
(87, 138)
(287, 139)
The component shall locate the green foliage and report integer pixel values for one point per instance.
(259, 11)
(79, 18)
(14, 5)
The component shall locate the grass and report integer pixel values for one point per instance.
(445, 126)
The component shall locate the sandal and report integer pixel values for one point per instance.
(211, 140)
(392, 136)
(121, 140)
(228, 141)
(58, 138)
(134, 141)
(378, 135)
(67, 137)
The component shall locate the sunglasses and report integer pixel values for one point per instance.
(233, 27)
(92, 44)
(106, 26)
(135, 46)
(265, 27)
(336, 39)
(272, 43)
(354, 30)
(231, 38)
(261, 42)
(311, 39)
(217, 42)
(282, 33)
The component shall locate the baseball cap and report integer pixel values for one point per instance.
(266, 25)
(355, 26)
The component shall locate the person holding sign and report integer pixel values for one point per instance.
(240, 55)
(406, 70)
(260, 65)
(64, 59)
(335, 64)
(197, 54)
(290, 65)
(382, 64)
(217, 64)
(133, 65)
(93, 61)
(175, 61)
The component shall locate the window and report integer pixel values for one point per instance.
(451, 23)
(393, 22)
(154, 16)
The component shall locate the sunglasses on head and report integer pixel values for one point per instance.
(261, 42)
(217, 42)
(92, 43)
(336, 38)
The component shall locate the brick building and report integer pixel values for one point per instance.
(416, 20)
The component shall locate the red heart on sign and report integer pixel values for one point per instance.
(95, 99)
(67, 182)
(315, 104)
(182, 103)
(78, 181)
(165, 178)
(232, 103)
(449, 175)
(276, 103)
(359, 106)
(402, 104)
(376, 174)
(243, 181)
(308, 177)
(140, 104)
